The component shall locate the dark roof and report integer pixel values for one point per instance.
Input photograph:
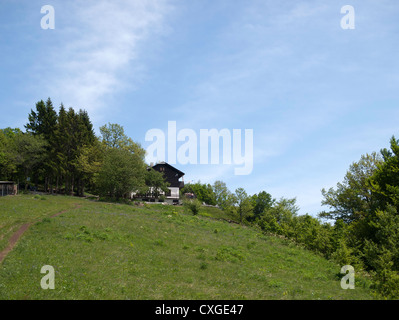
(170, 167)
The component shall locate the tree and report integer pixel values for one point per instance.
(385, 179)
(29, 154)
(7, 165)
(244, 203)
(43, 122)
(113, 136)
(381, 252)
(223, 196)
(69, 136)
(74, 151)
(279, 217)
(123, 170)
(285, 209)
(261, 202)
(88, 165)
(368, 202)
(121, 173)
(86, 161)
(155, 182)
(353, 198)
(203, 192)
(20, 154)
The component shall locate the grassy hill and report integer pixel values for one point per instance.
(114, 251)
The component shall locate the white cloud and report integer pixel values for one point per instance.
(98, 49)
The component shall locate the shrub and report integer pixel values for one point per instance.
(387, 283)
(345, 255)
(192, 205)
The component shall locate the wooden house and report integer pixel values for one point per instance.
(172, 176)
(175, 179)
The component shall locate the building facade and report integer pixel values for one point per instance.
(173, 177)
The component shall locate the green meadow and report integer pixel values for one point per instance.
(124, 251)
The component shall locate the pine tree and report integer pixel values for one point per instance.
(69, 136)
(43, 122)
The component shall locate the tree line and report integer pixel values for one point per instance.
(60, 153)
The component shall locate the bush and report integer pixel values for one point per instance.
(387, 283)
(345, 255)
(269, 224)
(192, 205)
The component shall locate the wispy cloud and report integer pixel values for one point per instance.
(98, 48)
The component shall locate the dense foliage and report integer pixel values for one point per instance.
(59, 153)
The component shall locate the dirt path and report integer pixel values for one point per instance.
(17, 235)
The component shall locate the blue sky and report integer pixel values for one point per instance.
(316, 96)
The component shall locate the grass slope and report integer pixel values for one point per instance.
(113, 251)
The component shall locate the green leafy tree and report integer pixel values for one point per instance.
(224, 198)
(155, 183)
(29, 154)
(353, 198)
(203, 192)
(7, 165)
(113, 136)
(381, 252)
(123, 170)
(261, 202)
(385, 179)
(121, 173)
(21, 154)
(284, 209)
(88, 165)
(279, 218)
(244, 203)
